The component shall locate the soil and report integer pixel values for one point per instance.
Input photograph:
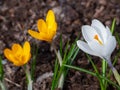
(17, 16)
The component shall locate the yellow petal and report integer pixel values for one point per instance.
(9, 55)
(16, 49)
(26, 51)
(17, 63)
(50, 18)
(18, 55)
(54, 27)
(26, 47)
(40, 36)
(34, 34)
(52, 31)
(42, 26)
(25, 59)
(45, 37)
(47, 29)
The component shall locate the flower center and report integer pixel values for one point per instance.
(97, 38)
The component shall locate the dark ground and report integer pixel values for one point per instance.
(17, 16)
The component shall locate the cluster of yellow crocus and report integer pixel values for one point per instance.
(47, 29)
(19, 55)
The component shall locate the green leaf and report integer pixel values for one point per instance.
(94, 74)
(33, 64)
(1, 69)
(113, 25)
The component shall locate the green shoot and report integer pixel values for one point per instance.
(28, 77)
(104, 67)
(1, 70)
(61, 45)
(97, 72)
(113, 25)
(33, 64)
(2, 85)
(117, 38)
(60, 71)
(94, 74)
(104, 63)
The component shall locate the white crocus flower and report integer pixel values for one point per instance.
(99, 42)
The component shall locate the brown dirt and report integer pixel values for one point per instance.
(17, 16)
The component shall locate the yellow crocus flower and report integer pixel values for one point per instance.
(18, 55)
(47, 29)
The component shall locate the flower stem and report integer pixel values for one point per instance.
(117, 76)
(61, 80)
(103, 71)
(29, 87)
(2, 85)
(29, 83)
(115, 72)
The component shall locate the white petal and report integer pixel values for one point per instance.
(100, 28)
(108, 31)
(84, 47)
(88, 33)
(96, 47)
(110, 45)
